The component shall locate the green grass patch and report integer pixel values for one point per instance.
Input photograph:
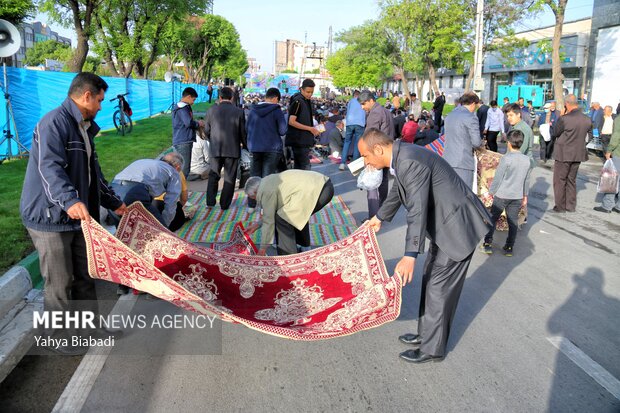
(15, 243)
(148, 139)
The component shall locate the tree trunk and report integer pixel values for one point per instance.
(431, 77)
(470, 78)
(82, 25)
(403, 81)
(79, 56)
(419, 83)
(209, 72)
(558, 77)
(107, 53)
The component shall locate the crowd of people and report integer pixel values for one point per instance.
(64, 183)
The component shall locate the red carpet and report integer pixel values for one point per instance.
(332, 291)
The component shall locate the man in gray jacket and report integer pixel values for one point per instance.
(439, 207)
(462, 137)
(379, 118)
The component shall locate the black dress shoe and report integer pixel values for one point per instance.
(410, 338)
(601, 209)
(557, 210)
(616, 210)
(417, 356)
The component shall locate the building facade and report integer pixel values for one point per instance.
(32, 33)
(293, 55)
(527, 72)
(604, 58)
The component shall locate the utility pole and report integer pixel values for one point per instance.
(329, 42)
(478, 56)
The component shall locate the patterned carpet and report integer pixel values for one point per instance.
(327, 292)
(332, 223)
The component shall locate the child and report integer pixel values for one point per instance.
(509, 190)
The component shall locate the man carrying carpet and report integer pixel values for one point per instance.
(441, 207)
(288, 200)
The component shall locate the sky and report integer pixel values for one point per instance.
(260, 23)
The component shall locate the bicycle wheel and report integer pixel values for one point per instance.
(128, 124)
(118, 122)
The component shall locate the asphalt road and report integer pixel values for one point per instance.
(563, 281)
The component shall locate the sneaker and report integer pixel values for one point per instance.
(487, 248)
(341, 167)
(507, 251)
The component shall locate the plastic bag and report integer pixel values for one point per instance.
(608, 182)
(370, 178)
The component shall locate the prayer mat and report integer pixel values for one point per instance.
(239, 242)
(332, 223)
(437, 145)
(331, 291)
(487, 165)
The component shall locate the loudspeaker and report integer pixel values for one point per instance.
(10, 40)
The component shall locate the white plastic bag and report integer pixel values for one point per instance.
(370, 178)
(608, 182)
(545, 132)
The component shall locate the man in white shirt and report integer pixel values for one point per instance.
(494, 125)
(199, 167)
(608, 127)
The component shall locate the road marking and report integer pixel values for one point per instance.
(75, 394)
(591, 367)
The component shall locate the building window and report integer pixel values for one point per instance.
(451, 82)
(29, 37)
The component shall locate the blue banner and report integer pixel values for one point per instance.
(34, 93)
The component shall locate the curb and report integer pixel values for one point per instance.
(14, 285)
(19, 298)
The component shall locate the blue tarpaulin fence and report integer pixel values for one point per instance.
(34, 93)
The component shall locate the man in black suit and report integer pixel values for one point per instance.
(441, 207)
(438, 105)
(225, 130)
(481, 113)
(399, 122)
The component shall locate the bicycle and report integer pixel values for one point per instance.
(122, 116)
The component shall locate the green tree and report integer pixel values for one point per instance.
(558, 7)
(499, 17)
(424, 35)
(130, 34)
(49, 49)
(79, 15)
(364, 61)
(350, 69)
(233, 66)
(210, 39)
(15, 11)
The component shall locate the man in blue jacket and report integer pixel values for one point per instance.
(64, 185)
(265, 127)
(184, 127)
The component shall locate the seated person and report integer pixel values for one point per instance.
(409, 129)
(199, 167)
(288, 200)
(427, 133)
(335, 139)
(145, 179)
